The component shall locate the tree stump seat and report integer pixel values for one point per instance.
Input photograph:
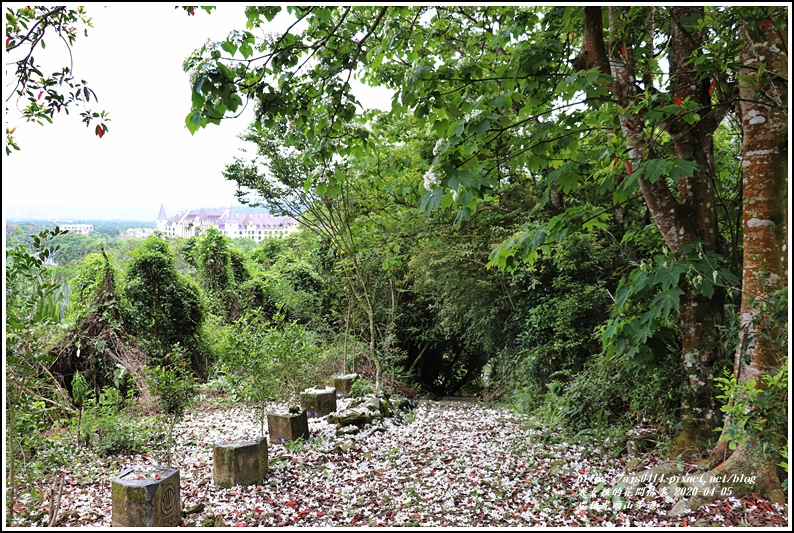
(239, 462)
(146, 496)
(285, 426)
(319, 401)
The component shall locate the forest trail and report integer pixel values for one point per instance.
(449, 463)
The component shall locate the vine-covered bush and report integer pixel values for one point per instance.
(166, 308)
(218, 274)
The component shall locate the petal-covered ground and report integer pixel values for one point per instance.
(447, 464)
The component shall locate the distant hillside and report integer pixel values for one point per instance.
(110, 228)
(96, 223)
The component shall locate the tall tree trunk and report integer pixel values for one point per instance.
(700, 315)
(764, 113)
(765, 197)
(692, 216)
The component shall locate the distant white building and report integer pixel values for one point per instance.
(235, 226)
(139, 232)
(82, 229)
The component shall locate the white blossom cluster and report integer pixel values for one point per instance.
(472, 115)
(432, 180)
(319, 174)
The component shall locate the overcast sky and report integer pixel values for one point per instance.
(132, 58)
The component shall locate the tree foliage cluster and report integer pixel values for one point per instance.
(39, 96)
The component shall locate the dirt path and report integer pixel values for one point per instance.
(448, 464)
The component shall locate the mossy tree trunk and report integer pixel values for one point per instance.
(764, 114)
(685, 216)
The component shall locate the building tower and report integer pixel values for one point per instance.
(161, 219)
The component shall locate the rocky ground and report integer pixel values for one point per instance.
(448, 463)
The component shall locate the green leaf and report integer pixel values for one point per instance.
(601, 222)
(667, 275)
(463, 214)
(682, 169)
(622, 295)
(229, 46)
(197, 100)
(705, 287)
(652, 117)
(430, 201)
(567, 178)
(691, 118)
(193, 121)
(665, 302)
(611, 330)
(446, 201)
(655, 169)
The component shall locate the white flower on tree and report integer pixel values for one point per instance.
(471, 116)
(438, 145)
(431, 180)
(319, 174)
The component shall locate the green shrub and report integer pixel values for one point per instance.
(175, 387)
(268, 361)
(560, 303)
(361, 387)
(608, 392)
(296, 287)
(30, 421)
(111, 429)
(757, 414)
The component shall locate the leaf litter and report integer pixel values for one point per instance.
(452, 464)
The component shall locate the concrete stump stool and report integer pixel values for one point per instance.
(342, 383)
(146, 496)
(239, 462)
(319, 401)
(287, 426)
